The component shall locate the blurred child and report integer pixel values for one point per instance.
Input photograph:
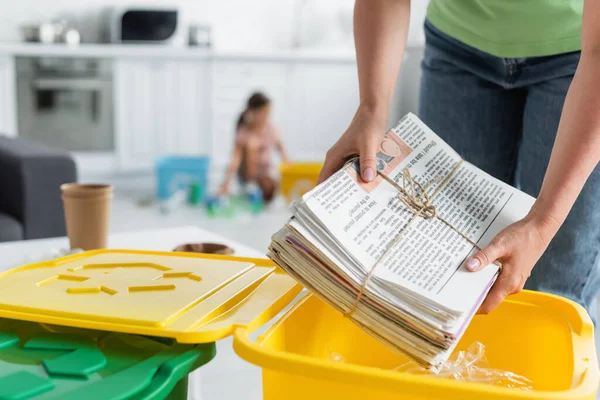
(255, 139)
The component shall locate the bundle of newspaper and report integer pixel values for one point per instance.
(395, 270)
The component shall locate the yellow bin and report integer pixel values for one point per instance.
(298, 178)
(204, 298)
(543, 337)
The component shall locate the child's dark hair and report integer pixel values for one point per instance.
(257, 101)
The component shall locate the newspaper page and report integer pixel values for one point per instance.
(365, 218)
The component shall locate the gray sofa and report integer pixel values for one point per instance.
(30, 199)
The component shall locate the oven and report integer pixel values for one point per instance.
(66, 103)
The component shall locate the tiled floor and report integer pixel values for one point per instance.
(226, 377)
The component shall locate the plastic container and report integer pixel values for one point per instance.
(298, 178)
(175, 173)
(176, 298)
(193, 298)
(254, 196)
(53, 362)
(195, 195)
(543, 337)
(201, 298)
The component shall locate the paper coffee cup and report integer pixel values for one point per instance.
(87, 214)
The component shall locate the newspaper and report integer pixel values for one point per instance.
(420, 297)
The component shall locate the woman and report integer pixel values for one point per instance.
(497, 75)
(252, 155)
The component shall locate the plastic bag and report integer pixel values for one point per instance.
(471, 366)
(467, 366)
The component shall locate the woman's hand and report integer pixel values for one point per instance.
(363, 136)
(518, 247)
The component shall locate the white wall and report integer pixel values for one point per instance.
(237, 24)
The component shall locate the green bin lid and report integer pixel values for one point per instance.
(40, 361)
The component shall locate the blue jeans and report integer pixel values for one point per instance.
(502, 114)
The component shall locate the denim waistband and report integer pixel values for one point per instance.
(507, 72)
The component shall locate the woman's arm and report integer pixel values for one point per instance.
(575, 154)
(234, 165)
(380, 32)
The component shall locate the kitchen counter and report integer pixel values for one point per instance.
(163, 99)
(165, 51)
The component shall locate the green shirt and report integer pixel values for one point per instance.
(511, 28)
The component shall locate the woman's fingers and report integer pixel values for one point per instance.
(493, 298)
(368, 159)
(367, 151)
(361, 138)
(504, 284)
(518, 246)
(508, 282)
(486, 256)
(333, 162)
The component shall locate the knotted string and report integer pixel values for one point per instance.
(416, 199)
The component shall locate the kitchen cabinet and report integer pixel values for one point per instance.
(323, 98)
(161, 107)
(313, 102)
(8, 112)
(135, 111)
(191, 107)
(184, 107)
(233, 83)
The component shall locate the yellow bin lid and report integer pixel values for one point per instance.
(192, 298)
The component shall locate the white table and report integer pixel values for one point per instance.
(13, 254)
(227, 376)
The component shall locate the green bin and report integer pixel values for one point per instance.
(122, 324)
(40, 361)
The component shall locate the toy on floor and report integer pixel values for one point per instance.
(174, 201)
(255, 198)
(298, 178)
(229, 206)
(181, 179)
(219, 206)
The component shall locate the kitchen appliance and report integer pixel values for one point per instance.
(66, 102)
(200, 36)
(51, 32)
(143, 25)
(40, 33)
